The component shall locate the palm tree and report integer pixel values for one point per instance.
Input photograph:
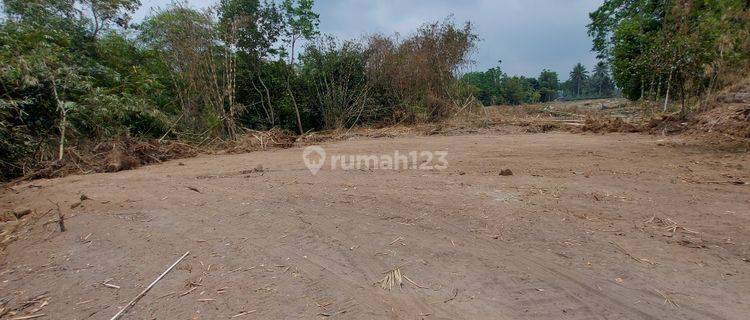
(578, 78)
(601, 81)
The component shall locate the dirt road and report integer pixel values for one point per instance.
(587, 227)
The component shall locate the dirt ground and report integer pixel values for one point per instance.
(616, 226)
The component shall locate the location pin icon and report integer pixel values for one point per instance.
(314, 158)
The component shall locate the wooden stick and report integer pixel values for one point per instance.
(143, 293)
(630, 255)
(60, 217)
(28, 317)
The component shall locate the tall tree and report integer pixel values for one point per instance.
(301, 23)
(579, 77)
(105, 12)
(258, 25)
(601, 83)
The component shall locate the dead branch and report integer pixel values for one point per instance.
(630, 255)
(143, 293)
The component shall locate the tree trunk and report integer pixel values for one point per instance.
(643, 89)
(291, 58)
(683, 108)
(268, 96)
(63, 119)
(666, 97)
(296, 109)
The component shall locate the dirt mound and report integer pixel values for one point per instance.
(666, 124)
(732, 120)
(737, 93)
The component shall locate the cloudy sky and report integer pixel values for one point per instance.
(527, 35)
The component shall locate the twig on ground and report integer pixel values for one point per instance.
(33, 316)
(630, 255)
(188, 292)
(668, 299)
(414, 283)
(455, 294)
(143, 293)
(673, 227)
(194, 189)
(243, 313)
(396, 240)
(60, 216)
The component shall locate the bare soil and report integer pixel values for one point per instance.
(617, 226)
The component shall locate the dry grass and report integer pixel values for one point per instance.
(392, 278)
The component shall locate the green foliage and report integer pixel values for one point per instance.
(549, 85)
(301, 22)
(600, 83)
(579, 78)
(494, 87)
(53, 65)
(337, 72)
(486, 85)
(684, 47)
(255, 27)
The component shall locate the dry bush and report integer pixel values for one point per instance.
(120, 154)
(731, 120)
(254, 140)
(414, 79)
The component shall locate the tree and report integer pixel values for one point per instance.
(202, 68)
(105, 12)
(337, 72)
(96, 15)
(601, 83)
(549, 85)
(658, 47)
(579, 77)
(486, 85)
(255, 28)
(258, 26)
(515, 90)
(301, 23)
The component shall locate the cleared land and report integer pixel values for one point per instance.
(617, 226)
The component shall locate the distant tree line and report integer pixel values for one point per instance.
(673, 50)
(494, 87)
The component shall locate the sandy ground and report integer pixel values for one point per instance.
(588, 227)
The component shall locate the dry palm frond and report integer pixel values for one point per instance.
(392, 278)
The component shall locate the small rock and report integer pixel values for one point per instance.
(506, 172)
